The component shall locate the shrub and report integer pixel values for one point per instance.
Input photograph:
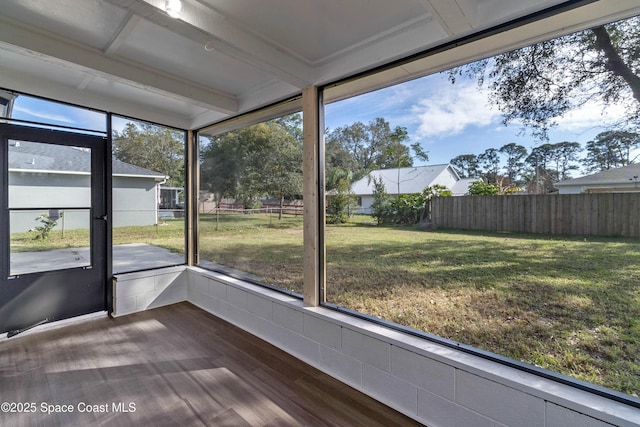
(47, 224)
(481, 188)
(337, 205)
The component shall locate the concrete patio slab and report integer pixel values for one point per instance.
(126, 258)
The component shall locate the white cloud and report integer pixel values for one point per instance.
(43, 114)
(451, 109)
(590, 115)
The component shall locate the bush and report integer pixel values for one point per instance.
(47, 224)
(481, 188)
(404, 209)
(337, 205)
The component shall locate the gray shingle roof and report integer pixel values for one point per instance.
(610, 176)
(25, 155)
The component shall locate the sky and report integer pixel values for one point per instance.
(42, 111)
(445, 119)
(451, 119)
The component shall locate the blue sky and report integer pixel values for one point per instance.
(452, 119)
(37, 110)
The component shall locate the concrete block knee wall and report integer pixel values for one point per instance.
(143, 290)
(435, 385)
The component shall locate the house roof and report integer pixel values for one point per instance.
(411, 179)
(224, 58)
(617, 176)
(34, 156)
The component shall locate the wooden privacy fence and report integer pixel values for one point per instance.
(599, 214)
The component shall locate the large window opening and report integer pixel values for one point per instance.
(251, 206)
(148, 176)
(495, 205)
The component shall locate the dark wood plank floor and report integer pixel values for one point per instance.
(172, 366)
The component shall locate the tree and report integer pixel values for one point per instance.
(292, 124)
(371, 146)
(340, 196)
(537, 84)
(274, 168)
(515, 160)
(489, 161)
(466, 165)
(157, 148)
(380, 200)
(563, 154)
(540, 176)
(253, 162)
(611, 149)
(337, 157)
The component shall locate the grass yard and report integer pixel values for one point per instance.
(169, 234)
(571, 305)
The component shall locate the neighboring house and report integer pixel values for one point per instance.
(409, 180)
(171, 202)
(47, 176)
(624, 179)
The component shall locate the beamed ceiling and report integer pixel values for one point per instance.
(225, 57)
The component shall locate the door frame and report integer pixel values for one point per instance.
(22, 296)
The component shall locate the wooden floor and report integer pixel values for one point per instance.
(172, 366)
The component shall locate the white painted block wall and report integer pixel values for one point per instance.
(143, 290)
(433, 384)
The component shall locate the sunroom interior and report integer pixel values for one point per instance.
(201, 68)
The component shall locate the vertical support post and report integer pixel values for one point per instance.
(313, 196)
(192, 188)
(108, 206)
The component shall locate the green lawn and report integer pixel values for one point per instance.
(571, 305)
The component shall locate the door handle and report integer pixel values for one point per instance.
(105, 218)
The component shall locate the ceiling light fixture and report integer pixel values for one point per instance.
(173, 8)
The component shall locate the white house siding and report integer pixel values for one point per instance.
(48, 190)
(365, 207)
(446, 178)
(135, 201)
(571, 189)
(579, 189)
(624, 178)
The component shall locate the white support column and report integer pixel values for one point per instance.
(314, 289)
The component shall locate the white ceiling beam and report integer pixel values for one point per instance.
(101, 101)
(86, 79)
(94, 61)
(206, 26)
(129, 24)
(455, 17)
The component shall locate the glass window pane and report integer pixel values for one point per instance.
(251, 204)
(62, 233)
(49, 206)
(519, 239)
(46, 112)
(148, 196)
